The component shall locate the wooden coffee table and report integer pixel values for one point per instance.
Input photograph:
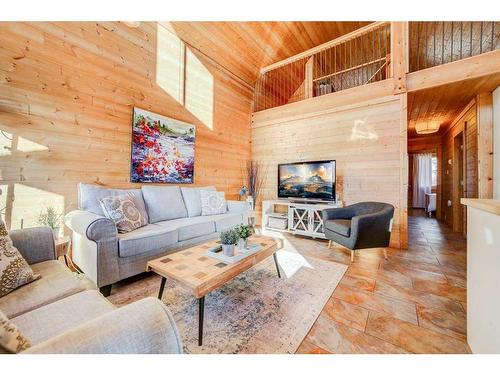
(201, 274)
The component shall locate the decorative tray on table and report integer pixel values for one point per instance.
(216, 253)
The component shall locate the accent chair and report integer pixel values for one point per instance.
(362, 225)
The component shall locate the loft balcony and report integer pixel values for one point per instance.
(364, 56)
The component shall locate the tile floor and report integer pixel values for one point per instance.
(414, 302)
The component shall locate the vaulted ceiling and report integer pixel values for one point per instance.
(245, 47)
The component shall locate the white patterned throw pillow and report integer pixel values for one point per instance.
(123, 211)
(212, 202)
(11, 339)
(14, 270)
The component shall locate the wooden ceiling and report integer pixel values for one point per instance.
(245, 47)
(444, 103)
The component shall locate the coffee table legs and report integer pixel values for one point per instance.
(162, 286)
(277, 266)
(201, 311)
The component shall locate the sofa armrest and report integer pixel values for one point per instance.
(337, 213)
(94, 227)
(94, 246)
(372, 230)
(35, 244)
(239, 207)
(143, 327)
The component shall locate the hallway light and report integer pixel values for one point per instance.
(427, 127)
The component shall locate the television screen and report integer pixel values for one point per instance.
(313, 180)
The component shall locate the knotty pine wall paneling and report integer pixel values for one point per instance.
(67, 90)
(367, 140)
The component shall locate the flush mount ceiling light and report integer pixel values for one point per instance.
(133, 24)
(427, 127)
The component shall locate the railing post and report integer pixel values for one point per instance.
(308, 80)
(399, 55)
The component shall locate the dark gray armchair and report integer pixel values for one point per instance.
(359, 226)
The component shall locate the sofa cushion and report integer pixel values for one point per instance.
(191, 227)
(164, 203)
(192, 199)
(226, 221)
(340, 226)
(53, 319)
(152, 237)
(57, 282)
(89, 197)
(14, 270)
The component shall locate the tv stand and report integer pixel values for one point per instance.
(304, 218)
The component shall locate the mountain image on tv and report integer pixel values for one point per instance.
(307, 180)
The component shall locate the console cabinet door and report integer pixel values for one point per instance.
(299, 220)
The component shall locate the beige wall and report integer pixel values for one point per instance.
(67, 91)
(368, 140)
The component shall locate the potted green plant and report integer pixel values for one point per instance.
(244, 231)
(52, 219)
(228, 239)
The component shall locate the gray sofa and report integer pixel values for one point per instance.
(174, 222)
(63, 312)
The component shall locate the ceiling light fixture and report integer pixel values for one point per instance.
(427, 127)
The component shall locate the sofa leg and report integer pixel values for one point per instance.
(105, 290)
(330, 244)
(385, 253)
(352, 256)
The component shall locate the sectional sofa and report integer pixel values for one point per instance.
(62, 312)
(175, 221)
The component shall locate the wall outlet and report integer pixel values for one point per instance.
(448, 203)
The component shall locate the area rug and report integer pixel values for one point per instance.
(258, 312)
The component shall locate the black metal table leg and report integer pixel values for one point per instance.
(201, 311)
(277, 266)
(162, 286)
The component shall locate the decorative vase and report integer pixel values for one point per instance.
(228, 250)
(243, 244)
(56, 232)
(250, 202)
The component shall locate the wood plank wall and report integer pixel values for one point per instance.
(66, 96)
(365, 139)
(466, 120)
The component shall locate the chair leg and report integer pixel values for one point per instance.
(352, 256)
(385, 253)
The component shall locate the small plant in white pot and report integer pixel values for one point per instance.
(50, 218)
(228, 239)
(244, 231)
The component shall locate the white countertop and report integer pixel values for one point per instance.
(488, 205)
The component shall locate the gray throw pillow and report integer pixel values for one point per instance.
(124, 213)
(212, 202)
(164, 203)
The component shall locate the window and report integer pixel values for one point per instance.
(434, 171)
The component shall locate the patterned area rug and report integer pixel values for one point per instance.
(258, 312)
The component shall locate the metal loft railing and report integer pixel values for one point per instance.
(354, 59)
(438, 43)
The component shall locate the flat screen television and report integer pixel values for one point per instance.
(313, 180)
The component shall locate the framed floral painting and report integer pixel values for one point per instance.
(162, 149)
